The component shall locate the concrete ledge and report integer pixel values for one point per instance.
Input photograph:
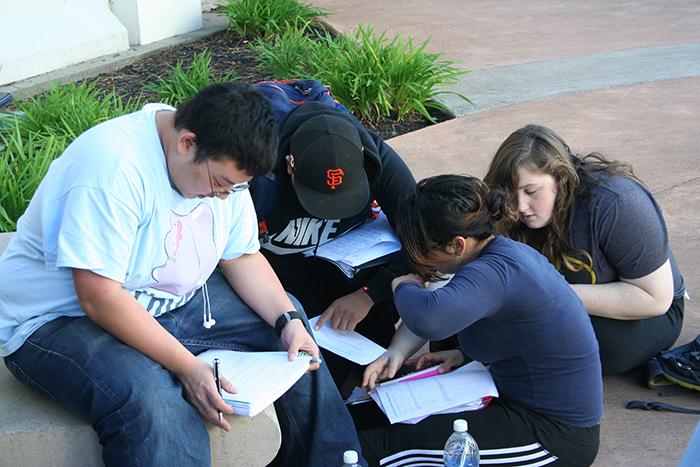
(34, 431)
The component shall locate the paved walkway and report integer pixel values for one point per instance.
(619, 77)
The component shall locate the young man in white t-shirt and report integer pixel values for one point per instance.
(111, 286)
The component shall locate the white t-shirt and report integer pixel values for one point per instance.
(107, 205)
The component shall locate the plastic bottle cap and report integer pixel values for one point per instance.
(350, 457)
(460, 425)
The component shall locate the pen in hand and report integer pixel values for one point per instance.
(217, 378)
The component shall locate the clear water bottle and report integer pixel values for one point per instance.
(350, 459)
(460, 449)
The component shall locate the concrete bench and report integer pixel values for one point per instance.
(36, 432)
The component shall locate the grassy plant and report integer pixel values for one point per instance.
(24, 160)
(368, 73)
(267, 18)
(288, 55)
(38, 132)
(67, 110)
(184, 82)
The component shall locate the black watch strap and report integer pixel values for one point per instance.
(286, 317)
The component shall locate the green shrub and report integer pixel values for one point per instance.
(67, 110)
(24, 160)
(39, 130)
(266, 18)
(369, 74)
(287, 55)
(183, 83)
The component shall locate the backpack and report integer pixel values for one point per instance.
(285, 96)
(679, 366)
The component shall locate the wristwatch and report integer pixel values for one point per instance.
(286, 317)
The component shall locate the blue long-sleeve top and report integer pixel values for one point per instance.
(513, 311)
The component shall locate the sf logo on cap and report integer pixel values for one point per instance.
(334, 177)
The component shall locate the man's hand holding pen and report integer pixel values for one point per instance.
(199, 384)
(296, 339)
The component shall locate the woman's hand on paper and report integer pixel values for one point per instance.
(385, 367)
(200, 390)
(295, 338)
(346, 312)
(407, 277)
(447, 359)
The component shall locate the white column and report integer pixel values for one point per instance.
(152, 20)
(38, 36)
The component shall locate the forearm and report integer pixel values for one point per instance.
(122, 316)
(405, 342)
(254, 280)
(428, 317)
(620, 300)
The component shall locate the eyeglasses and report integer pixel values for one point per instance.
(235, 187)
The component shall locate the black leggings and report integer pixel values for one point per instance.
(507, 434)
(627, 344)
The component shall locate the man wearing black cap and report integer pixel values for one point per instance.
(329, 171)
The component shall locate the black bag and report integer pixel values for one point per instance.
(675, 367)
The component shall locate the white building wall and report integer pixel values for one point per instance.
(38, 36)
(152, 20)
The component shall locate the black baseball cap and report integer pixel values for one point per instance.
(329, 176)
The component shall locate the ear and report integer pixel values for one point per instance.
(185, 140)
(460, 245)
(290, 163)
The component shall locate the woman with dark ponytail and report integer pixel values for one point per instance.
(603, 230)
(512, 311)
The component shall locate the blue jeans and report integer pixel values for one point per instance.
(137, 407)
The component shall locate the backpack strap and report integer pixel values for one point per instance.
(660, 406)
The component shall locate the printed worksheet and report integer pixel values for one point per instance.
(348, 344)
(260, 377)
(419, 398)
(363, 245)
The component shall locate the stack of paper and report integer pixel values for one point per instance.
(414, 398)
(360, 395)
(363, 246)
(260, 377)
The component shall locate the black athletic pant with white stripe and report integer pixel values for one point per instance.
(507, 435)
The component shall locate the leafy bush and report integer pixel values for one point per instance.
(183, 83)
(39, 130)
(287, 56)
(67, 110)
(266, 18)
(368, 73)
(24, 160)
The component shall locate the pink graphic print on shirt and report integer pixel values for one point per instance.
(191, 252)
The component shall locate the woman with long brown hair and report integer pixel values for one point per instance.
(604, 231)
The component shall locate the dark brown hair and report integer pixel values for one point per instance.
(544, 150)
(443, 207)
